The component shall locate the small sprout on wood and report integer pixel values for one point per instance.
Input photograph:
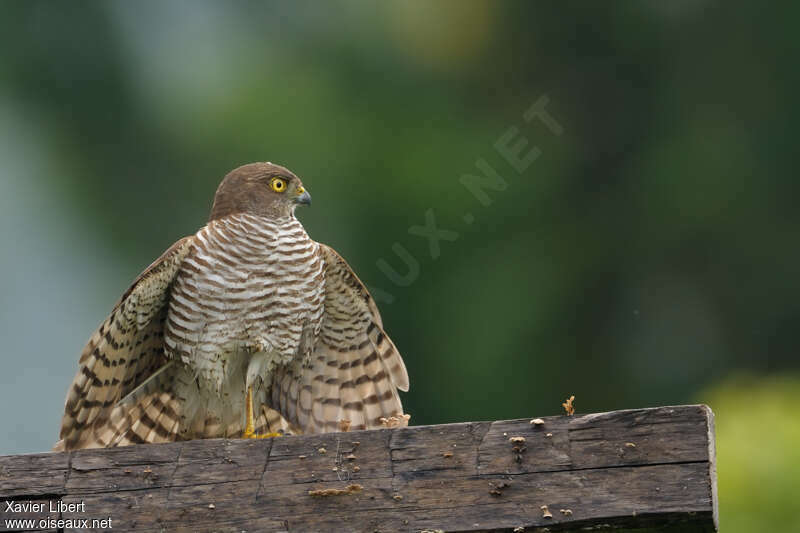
(518, 448)
(630, 445)
(537, 422)
(546, 512)
(351, 457)
(344, 425)
(447, 455)
(322, 451)
(397, 497)
(566, 512)
(212, 506)
(301, 456)
(549, 435)
(568, 407)
(349, 489)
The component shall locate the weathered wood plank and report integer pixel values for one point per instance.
(33, 475)
(625, 469)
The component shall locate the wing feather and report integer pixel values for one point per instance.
(354, 371)
(122, 354)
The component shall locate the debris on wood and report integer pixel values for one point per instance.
(351, 457)
(301, 456)
(212, 506)
(344, 426)
(356, 468)
(322, 451)
(349, 489)
(397, 497)
(519, 529)
(549, 435)
(566, 512)
(537, 422)
(517, 440)
(447, 455)
(355, 443)
(630, 445)
(395, 421)
(546, 512)
(568, 406)
(496, 489)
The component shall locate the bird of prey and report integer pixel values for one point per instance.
(246, 328)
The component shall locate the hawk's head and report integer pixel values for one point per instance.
(259, 189)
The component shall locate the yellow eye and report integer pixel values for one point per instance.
(278, 184)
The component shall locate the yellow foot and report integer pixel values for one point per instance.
(250, 430)
(252, 435)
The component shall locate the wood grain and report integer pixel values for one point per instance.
(624, 469)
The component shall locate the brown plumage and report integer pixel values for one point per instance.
(249, 302)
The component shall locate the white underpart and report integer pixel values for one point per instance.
(249, 296)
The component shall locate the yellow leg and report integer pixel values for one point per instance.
(250, 427)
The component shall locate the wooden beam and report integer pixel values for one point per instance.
(624, 469)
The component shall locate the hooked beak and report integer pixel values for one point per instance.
(302, 198)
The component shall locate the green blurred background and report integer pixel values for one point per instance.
(647, 257)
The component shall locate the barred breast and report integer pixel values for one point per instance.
(250, 285)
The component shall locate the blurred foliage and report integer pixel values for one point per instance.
(648, 253)
(758, 457)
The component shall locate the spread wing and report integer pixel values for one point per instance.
(121, 357)
(354, 370)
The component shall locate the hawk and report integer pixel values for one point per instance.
(248, 327)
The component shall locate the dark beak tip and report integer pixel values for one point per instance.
(304, 199)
